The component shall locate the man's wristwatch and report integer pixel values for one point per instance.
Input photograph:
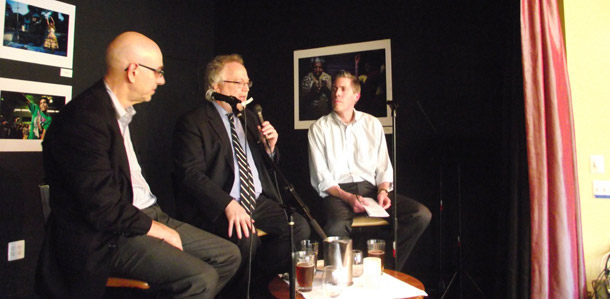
(383, 190)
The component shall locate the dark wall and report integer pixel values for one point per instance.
(183, 30)
(450, 61)
(449, 64)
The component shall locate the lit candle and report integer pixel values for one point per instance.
(372, 271)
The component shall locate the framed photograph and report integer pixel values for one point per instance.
(27, 108)
(314, 69)
(38, 31)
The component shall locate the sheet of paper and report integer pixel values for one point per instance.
(388, 287)
(373, 209)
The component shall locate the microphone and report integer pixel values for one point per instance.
(212, 95)
(259, 112)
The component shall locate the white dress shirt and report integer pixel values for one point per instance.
(142, 196)
(348, 153)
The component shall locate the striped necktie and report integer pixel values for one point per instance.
(246, 182)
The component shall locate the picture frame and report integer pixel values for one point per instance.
(38, 31)
(369, 61)
(16, 111)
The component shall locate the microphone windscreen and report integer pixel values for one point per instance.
(257, 108)
(208, 95)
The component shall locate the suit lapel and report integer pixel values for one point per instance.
(216, 123)
(118, 142)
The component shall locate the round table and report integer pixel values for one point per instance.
(279, 288)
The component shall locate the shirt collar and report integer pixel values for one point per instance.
(220, 110)
(357, 117)
(122, 114)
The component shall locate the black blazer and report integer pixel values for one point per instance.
(204, 165)
(88, 173)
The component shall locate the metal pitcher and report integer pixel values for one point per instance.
(338, 252)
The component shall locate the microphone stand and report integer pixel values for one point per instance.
(293, 291)
(441, 283)
(394, 106)
(460, 271)
(288, 186)
(297, 198)
(289, 212)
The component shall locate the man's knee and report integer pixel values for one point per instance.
(421, 217)
(302, 230)
(233, 259)
(233, 253)
(203, 284)
(338, 228)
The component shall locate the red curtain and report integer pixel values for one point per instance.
(557, 263)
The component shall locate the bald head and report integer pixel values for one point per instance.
(129, 47)
(134, 68)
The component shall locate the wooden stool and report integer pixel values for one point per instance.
(118, 282)
(362, 227)
(365, 221)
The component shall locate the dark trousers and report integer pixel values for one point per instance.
(271, 254)
(200, 271)
(413, 218)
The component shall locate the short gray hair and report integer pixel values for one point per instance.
(214, 67)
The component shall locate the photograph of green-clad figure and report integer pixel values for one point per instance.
(27, 109)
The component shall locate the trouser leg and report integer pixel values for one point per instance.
(200, 271)
(413, 218)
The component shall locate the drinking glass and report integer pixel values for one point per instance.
(358, 260)
(305, 270)
(311, 245)
(376, 248)
(333, 281)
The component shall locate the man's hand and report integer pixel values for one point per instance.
(163, 232)
(357, 204)
(268, 131)
(384, 200)
(355, 201)
(238, 218)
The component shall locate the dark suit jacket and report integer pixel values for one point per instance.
(204, 165)
(91, 197)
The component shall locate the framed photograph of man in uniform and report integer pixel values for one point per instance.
(27, 109)
(314, 69)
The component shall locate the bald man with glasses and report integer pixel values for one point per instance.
(104, 219)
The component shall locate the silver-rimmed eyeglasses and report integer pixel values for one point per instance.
(240, 84)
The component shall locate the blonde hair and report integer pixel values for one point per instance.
(355, 83)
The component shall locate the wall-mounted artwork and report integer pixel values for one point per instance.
(27, 109)
(38, 31)
(314, 69)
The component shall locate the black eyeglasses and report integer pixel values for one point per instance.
(160, 72)
(240, 84)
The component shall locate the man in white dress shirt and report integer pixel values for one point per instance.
(348, 160)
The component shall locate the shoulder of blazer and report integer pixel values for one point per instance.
(94, 99)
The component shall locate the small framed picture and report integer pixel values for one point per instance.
(314, 69)
(38, 31)
(27, 109)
